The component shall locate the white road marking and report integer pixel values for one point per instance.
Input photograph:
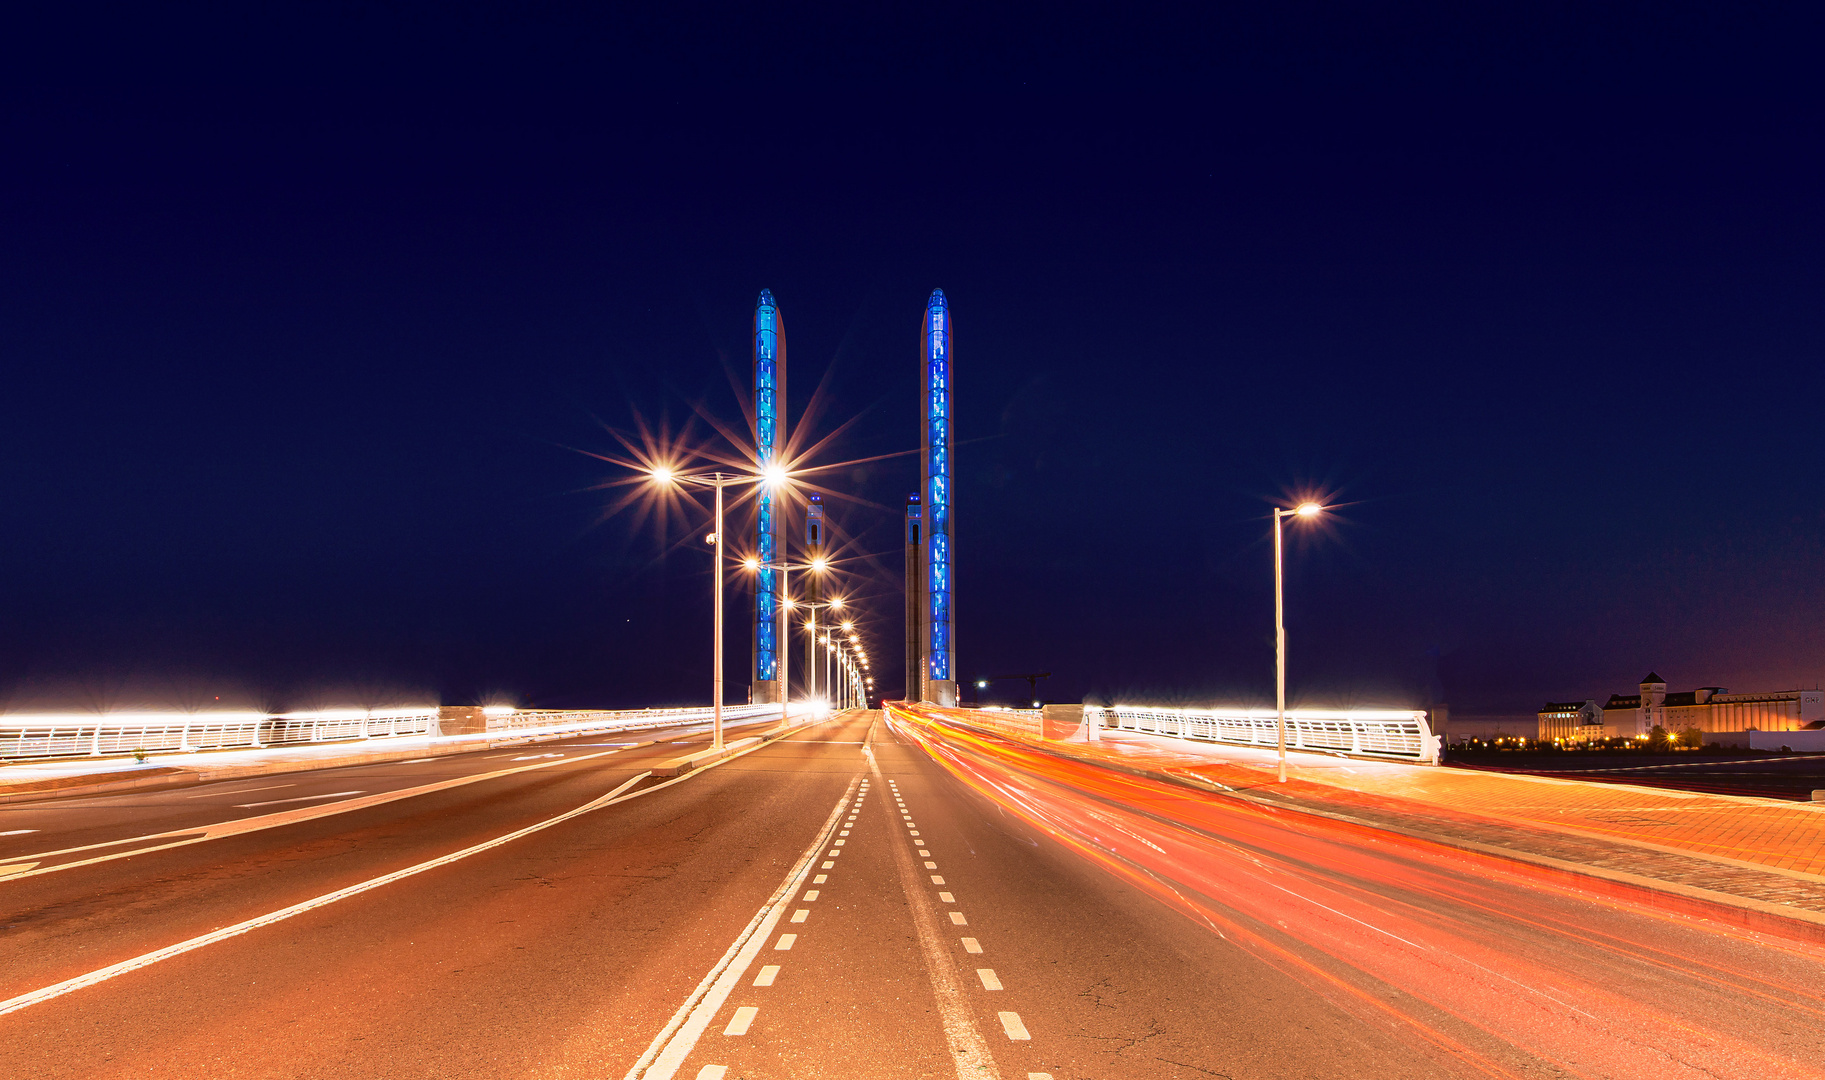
(845, 832)
(238, 826)
(810, 896)
(239, 791)
(840, 843)
(535, 757)
(971, 945)
(101, 975)
(17, 832)
(1030, 1076)
(1010, 1023)
(915, 834)
(826, 866)
(990, 981)
(767, 975)
(834, 853)
(929, 865)
(801, 915)
(422, 760)
(717, 1072)
(937, 880)
(301, 798)
(957, 919)
(924, 854)
(741, 1021)
(820, 879)
(969, 1051)
(665, 1055)
(947, 898)
(15, 869)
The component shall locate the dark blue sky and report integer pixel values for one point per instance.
(304, 316)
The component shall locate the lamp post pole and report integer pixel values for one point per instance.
(717, 480)
(1304, 510)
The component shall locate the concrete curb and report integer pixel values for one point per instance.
(1741, 911)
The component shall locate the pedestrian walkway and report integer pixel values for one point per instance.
(1766, 853)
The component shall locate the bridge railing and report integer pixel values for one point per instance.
(58, 736)
(1390, 733)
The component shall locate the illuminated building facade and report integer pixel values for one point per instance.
(769, 444)
(937, 627)
(1712, 710)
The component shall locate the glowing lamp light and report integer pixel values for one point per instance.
(752, 564)
(819, 563)
(837, 603)
(662, 474)
(1310, 509)
(710, 539)
(849, 626)
(773, 475)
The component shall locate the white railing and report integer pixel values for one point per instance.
(1393, 733)
(117, 734)
(42, 736)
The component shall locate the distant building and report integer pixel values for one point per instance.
(1710, 709)
(1571, 721)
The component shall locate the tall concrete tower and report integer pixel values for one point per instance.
(915, 596)
(937, 637)
(769, 445)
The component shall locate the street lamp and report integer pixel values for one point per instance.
(1303, 510)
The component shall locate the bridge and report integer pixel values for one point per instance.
(792, 877)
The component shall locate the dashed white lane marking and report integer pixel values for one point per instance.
(767, 975)
(840, 843)
(924, 854)
(422, 760)
(238, 791)
(801, 915)
(744, 1017)
(937, 879)
(947, 898)
(826, 866)
(915, 833)
(785, 942)
(957, 919)
(845, 832)
(971, 945)
(820, 879)
(810, 896)
(535, 757)
(717, 1072)
(1010, 1023)
(301, 798)
(929, 865)
(834, 853)
(665, 1055)
(17, 832)
(990, 981)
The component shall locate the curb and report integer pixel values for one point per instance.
(1739, 911)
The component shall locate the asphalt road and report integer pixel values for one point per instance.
(842, 903)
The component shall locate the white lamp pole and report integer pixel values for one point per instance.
(1304, 510)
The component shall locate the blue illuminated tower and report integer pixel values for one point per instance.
(937, 627)
(769, 445)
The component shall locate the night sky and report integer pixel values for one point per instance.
(311, 321)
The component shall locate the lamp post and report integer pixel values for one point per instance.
(1303, 510)
(835, 604)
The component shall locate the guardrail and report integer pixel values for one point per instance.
(1390, 733)
(116, 734)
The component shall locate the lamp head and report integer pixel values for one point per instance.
(1309, 509)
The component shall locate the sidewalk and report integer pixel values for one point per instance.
(1764, 855)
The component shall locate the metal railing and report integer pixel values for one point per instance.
(1391, 733)
(117, 734)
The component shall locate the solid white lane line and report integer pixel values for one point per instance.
(767, 975)
(239, 791)
(15, 869)
(812, 895)
(990, 981)
(957, 919)
(1010, 1023)
(801, 915)
(971, 945)
(301, 798)
(969, 1051)
(236, 827)
(717, 1072)
(422, 760)
(665, 1055)
(947, 898)
(101, 975)
(17, 832)
(741, 1021)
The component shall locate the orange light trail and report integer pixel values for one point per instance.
(1458, 949)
